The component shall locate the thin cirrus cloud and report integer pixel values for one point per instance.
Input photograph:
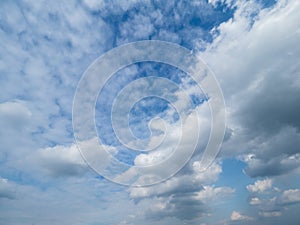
(252, 46)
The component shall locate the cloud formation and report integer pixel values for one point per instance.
(252, 46)
(260, 186)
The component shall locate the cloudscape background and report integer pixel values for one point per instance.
(253, 49)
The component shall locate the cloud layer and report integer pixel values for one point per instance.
(252, 46)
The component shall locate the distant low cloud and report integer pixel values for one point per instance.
(270, 214)
(237, 216)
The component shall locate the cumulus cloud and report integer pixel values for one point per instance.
(62, 161)
(291, 196)
(182, 183)
(183, 196)
(182, 207)
(275, 202)
(260, 185)
(58, 161)
(209, 193)
(237, 216)
(261, 87)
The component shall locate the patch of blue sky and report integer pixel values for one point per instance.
(232, 170)
(267, 3)
(231, 176)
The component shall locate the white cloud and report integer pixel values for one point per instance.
(290, 196)
(16, 125)
(210, 175)
(257, 67)
(275, 203)
(184, 196)
(58, 161)
(187, 182)
(260, 186)
(174, 150)
(64, 160)
(237, 216)
(255, 201)
(14, 114)
(62, 199)
(94, 5)
(141, 27)
(210, 194)
(46, 49)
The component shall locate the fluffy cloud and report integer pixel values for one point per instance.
(209, 193)
(183, 196)
(274, 203)
(260, 185)
(237, 216)
(58, 161)
(45, 47)
(63, 198)
(188, 205)
(291, 196)
(258, 70)
(261, 87)
(191, 182)
(255, 201)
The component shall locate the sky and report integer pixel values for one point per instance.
(251, 47)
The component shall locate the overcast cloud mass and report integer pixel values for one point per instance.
(251, 46)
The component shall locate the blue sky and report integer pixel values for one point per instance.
(252, 48)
